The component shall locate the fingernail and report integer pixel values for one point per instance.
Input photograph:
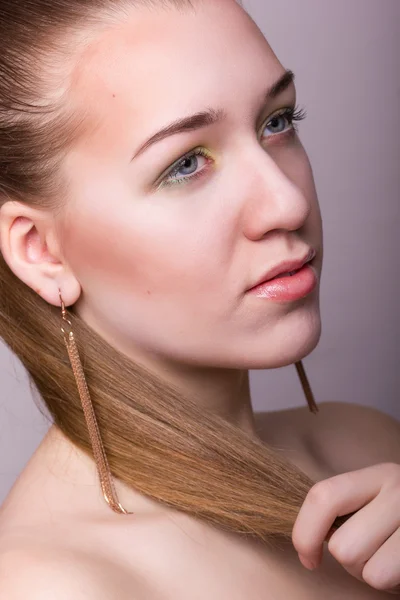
(308, 564)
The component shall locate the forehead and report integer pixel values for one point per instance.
(163, 63)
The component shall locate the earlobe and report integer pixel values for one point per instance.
(31, 252)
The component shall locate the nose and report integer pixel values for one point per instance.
(274, 198)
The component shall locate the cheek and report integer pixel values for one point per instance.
(298, 168)
(130, 252)
(303, 175)
(296, 165)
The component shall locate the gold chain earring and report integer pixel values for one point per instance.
(103, 468)
(306, 387)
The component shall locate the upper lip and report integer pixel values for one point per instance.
(285, 267)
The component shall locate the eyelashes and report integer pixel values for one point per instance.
(170, 177)
(292, 115)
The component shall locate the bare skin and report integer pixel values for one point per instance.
(162, 273)
(56, 525)
(172, 294)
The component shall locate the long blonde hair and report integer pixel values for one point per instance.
(156, 440)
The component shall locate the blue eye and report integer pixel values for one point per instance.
(189, 163)
(278, 122)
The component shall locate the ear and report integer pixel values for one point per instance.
(30, 247)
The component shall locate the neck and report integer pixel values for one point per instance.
(225, 392)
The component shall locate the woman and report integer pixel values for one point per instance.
(131, 265)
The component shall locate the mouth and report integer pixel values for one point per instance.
(288, 285)
(287, 274)
(292, 273)
(287, 269)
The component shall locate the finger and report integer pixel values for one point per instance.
(357, 540)
(329, 498)
(382, 571)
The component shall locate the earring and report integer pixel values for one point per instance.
(103, 468)
(306, 387)
(99, 453)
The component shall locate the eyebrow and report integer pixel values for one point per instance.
(211, 116)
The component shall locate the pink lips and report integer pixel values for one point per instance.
(288, 288)
(285, 267)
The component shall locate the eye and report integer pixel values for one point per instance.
(187, 167)
(284, 120)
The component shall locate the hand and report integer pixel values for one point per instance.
(367, 545)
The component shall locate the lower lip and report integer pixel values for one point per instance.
(289, 288)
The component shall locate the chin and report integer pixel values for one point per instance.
(297, 352)
(294, 339)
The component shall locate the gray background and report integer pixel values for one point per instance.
(346, 56)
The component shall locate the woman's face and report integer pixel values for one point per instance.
(164, 258)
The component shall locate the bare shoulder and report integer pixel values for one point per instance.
(44, 575)
(341, 437)
(351, 436)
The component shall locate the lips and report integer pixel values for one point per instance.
(287, 274)
(287, 267)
